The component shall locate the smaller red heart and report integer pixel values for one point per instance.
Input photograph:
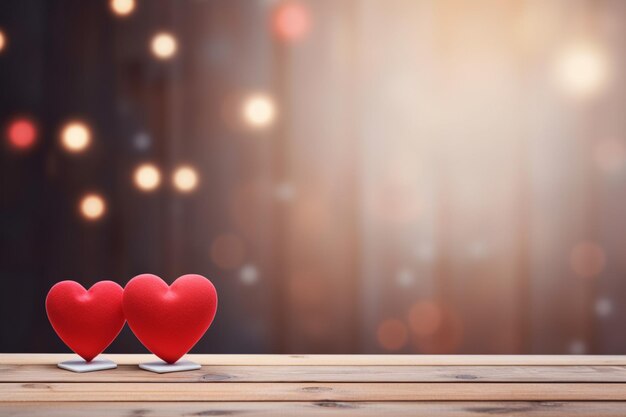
(86, 321)
(169, 320)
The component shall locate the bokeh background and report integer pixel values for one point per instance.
(355, 176)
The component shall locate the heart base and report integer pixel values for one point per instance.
(81, 365)
(161, 367)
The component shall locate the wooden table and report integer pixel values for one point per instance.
(350, 385)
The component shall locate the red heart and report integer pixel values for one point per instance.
(169, 320)
(86, 321)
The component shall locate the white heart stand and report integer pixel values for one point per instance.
(80, 365)
(161, 367)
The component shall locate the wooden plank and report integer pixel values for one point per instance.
(281, 373)
(261, 391)
(354, 409)
(337, 360)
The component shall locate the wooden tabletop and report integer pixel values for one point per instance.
(315, 385)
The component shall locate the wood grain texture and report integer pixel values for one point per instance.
(270, 385)
(337, 360)
(262, 391)
(312, 409)
(282, 373)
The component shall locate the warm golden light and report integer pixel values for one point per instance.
(259, 111)
(122, 7)
(582, 70)
(164, 45)
(92, 206)
(147, 177)
(3, 41)
(75, 137)
(185, 179)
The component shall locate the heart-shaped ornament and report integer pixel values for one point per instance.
(169, 320)
(86, 321)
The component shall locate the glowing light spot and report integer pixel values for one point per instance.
(75, 137)
(164, 45)
(122, 7)
(604, 307)
(147, 177)
(249, 274)
(425, 318)
(227, 251)
(92, 207)
(21, 134)
(587, 259)
(291, 21)
(610, 155)
(142, 141)
(185, 179)
(259, 111)
(392, 334)
(582, 70)
(3, 40)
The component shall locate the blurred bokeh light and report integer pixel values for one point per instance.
(122, 7)
(354, 176)
(258, 110)
(291, 21)
(3, 40)
(75, 137)
(185, 179)
(582, 69)
(92, 207)
(164, 45)
(147, 177)
(21, 133)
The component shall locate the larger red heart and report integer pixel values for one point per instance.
(169, 320)
(86, 321)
